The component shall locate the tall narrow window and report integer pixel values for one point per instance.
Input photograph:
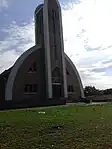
(37, 27)
(54, 32)
(67, 72)
(53, 19)
(27, 88)
(56, 75)
(40, 23)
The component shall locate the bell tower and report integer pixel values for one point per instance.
(54, 50)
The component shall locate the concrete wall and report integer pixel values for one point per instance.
(74, 79)
(18, 73)
(100, 98)
(23, 77)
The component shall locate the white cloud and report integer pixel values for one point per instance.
(18, 40)
(87, 35)
(7, 59)
(3, 4)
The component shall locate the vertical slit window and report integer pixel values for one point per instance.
(54, 32)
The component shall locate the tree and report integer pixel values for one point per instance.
(90, 90)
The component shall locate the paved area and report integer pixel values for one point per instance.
(68, 104)
(89, 104)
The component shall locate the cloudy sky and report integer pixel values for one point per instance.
(87, 26)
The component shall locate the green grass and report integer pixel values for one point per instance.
(80, 128)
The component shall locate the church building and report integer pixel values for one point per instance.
(43, 75)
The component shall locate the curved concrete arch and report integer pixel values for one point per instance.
(77, 74)
(15, 68)
(38, 9)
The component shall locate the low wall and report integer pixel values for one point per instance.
(100, 98)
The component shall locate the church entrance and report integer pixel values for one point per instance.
(56, 90)
(56, 83)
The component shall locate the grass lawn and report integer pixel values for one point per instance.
(72, 127)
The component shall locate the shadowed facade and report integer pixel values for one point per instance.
(43, 75)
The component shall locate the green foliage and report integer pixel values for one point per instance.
(72, 127)
(91, 90)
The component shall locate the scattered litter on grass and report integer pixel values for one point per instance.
(41, 112)
(94, 109)
(101, 118)
(58, 127)
(52, 129)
